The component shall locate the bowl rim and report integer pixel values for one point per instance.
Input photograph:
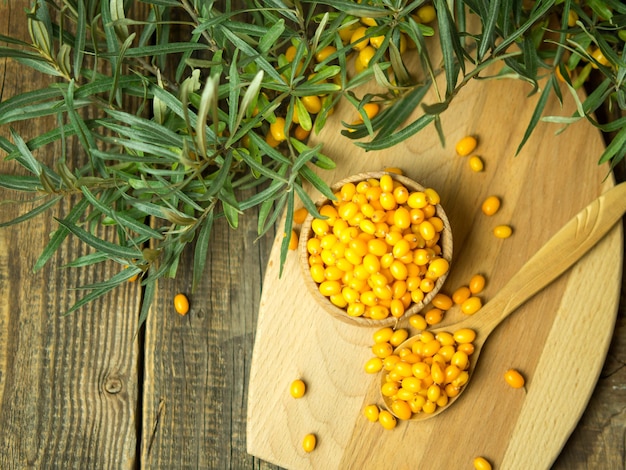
(339, 313)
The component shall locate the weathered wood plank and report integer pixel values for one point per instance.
(196, 367)
(68, 385)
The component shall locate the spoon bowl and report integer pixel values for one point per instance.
(563, 249)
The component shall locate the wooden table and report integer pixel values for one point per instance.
(92, 391)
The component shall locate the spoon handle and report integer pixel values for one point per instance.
(565, 247)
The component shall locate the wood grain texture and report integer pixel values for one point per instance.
(539, 195)
(68, 385)
(82, 392)
(197, 366)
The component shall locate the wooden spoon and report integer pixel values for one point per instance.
(566, 247)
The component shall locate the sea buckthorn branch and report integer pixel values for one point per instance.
(202, 110)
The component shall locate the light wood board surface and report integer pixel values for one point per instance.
(559, 339)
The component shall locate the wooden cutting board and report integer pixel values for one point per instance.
(559, 339)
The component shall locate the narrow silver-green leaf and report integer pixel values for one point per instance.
(59, 235)
(99, 244)
(273, 34)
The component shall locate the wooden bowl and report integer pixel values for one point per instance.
(445, 242)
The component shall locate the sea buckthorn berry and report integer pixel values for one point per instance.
(313, 103)
(300, 133)
(429, 407)
(437, 268)
(377, 41)
(373, 365)
(427, 230)
(383, 335)
(466, 145)
(398, 337)
(389, 389)
(481, 463)
(309, 443)
(418, 322)
(572, 18)
(371, 109)
(417, 200)
(397, 308)
(293, 241)
(271, 141)
(320, 227)
(290, 53)
(432, 196)
(277, 129)
(460, 359)
(328, 288)
(401, 216)
(464, 335)
(297, 389)
(477, 284)
(433, 316)
(491, 205)
(401, 409)
(387, 420)
(366, 54)
(299, 215)
(427, 285)
(181, 304)
(357, 39)
(382, 350)
(476, 164)
(386, 184)
(461, 295)
(324, 53)
(445, 338)
(427, 14)
(467, 348)
(599, 57)
(514, 378)
(367, 21)
(503, 231)
(471, 305)
(371, 412)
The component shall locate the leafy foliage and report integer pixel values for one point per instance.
(211, 80)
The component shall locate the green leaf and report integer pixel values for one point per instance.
(201, 250)
(489, 28)
(165, 49)
(231, 213)
(117, 279)
(401, 135)
(317, 182)
(80, 38)
(616, 149)
(284, 246)
(121, 219)
(248, 98)
(27, 159)
(95, 294)
(401, 111)
(112, 249)
(250, 52)
(273, 34)
(146, 301)
(541, 104)
(450, 45)
(59, 235)
(538, 12)
(32, 213)
(20, 183)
